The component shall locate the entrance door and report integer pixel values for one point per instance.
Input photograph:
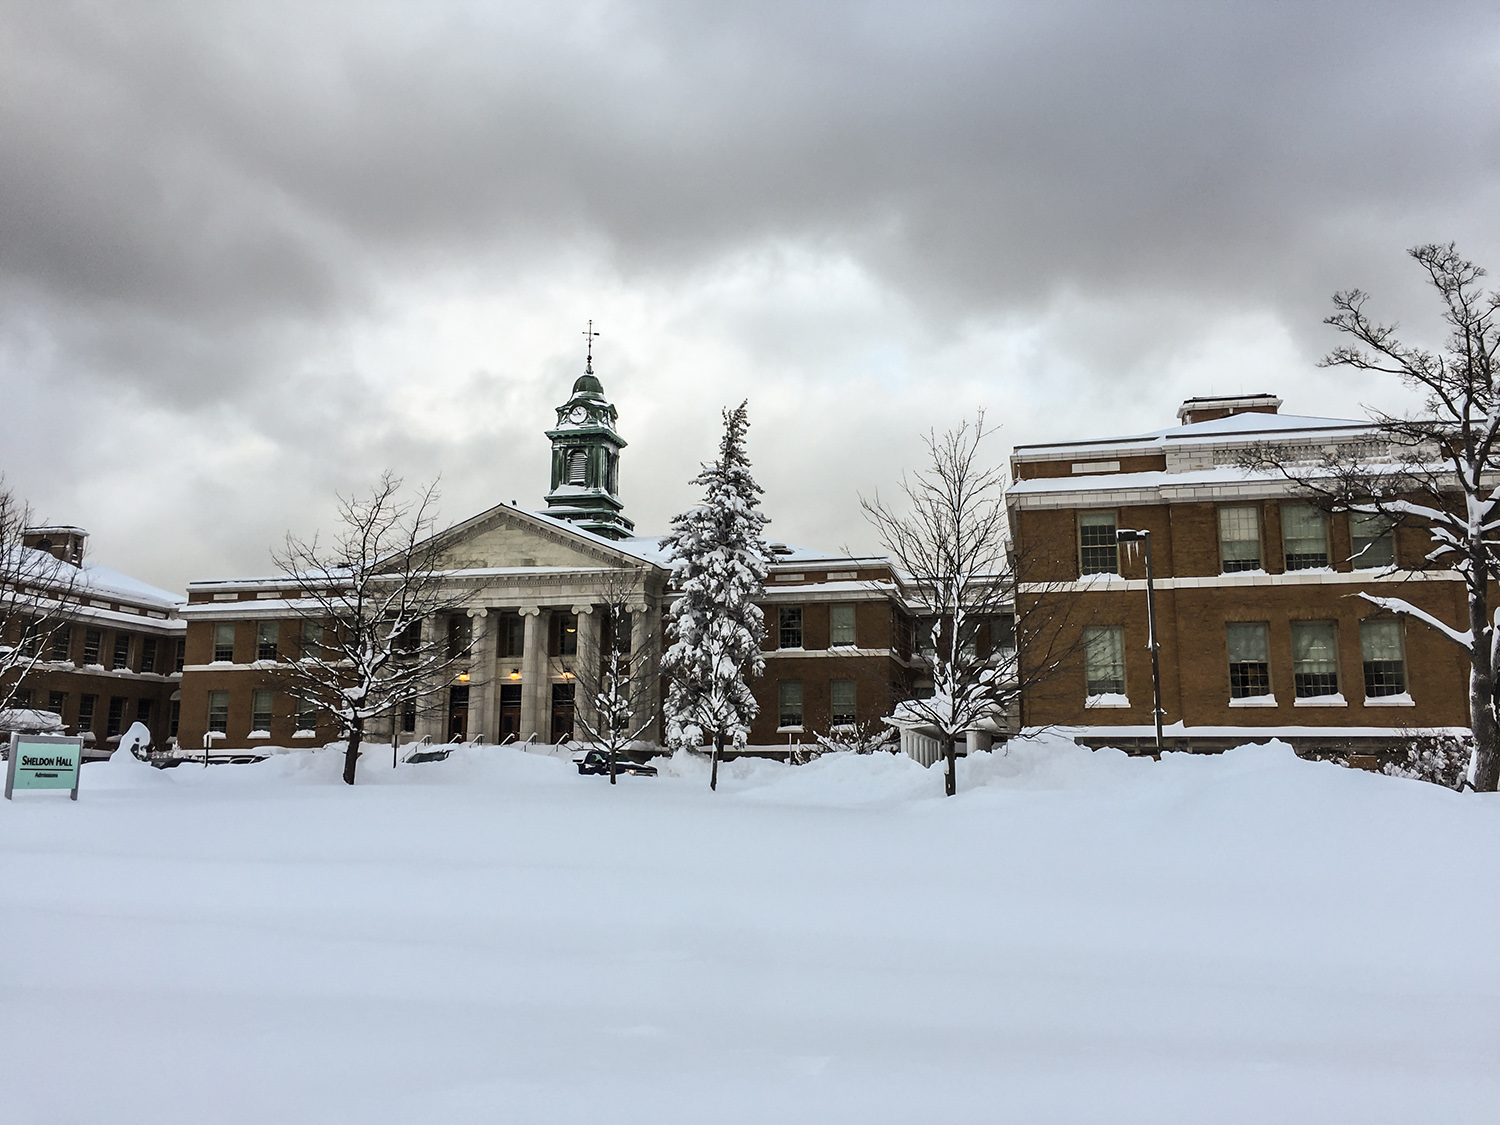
(458, 713)
(510, 710)
(562, 712)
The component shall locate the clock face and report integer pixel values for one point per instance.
(578, 414)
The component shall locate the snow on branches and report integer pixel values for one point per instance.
(719, 563)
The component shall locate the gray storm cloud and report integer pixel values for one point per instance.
(210, 214)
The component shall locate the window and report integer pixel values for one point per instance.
(86, 713)
(312, 639)
(174, 714)
(265, 640)
(564, 634)
(91, 642)
(619, 626)
(789, 696)
(926, 637)
(260, 709)
(224, 644)
(62, 644)
(1249, 663)
(307, 714)
(968, 640)
(578, 467)
(790, 620)
(460, 636)
(56, 701)
(841, 697)
(148, 654)
(1003, 632)
(1239, 539)
(1385, 665)
(22, 697)
(1315, 666)
(29, 636)
(1373, 539)
(840, 625)
(116, 715)
(1304, 531)
(181, 658)
(122, 652)
(143, 711)
(512, 635)
(1098, 550)
(218, 711)
(409, 717)
(1104, 659)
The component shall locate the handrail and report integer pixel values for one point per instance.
(508, 739)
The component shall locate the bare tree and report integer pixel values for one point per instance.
(370, 602)
(1435, 471)
(36, 588)
(951, 544)
(616, 681)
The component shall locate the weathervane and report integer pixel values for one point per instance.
(591, 334)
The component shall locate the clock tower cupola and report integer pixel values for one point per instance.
(586, 458)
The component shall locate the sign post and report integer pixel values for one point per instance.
(43, 761)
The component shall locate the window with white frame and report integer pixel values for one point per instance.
(266, 633)
(1104, 659)
(1315, 663)
(841, 694)
(1249, 660)
(224, 643)
(1372, 537)
(218, 711)
(1239, 538)
(261, 702)
(312, 639)
(1384, 660)
(790, 623)
(789, 699)
(1304, 534)
(121, 660)
(1098, 550)
(840, 625)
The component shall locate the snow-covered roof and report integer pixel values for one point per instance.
(1245, 427)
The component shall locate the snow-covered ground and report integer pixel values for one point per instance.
(1076, 937)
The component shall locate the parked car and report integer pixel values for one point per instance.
(597, 761)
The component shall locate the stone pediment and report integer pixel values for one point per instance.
(506, 536)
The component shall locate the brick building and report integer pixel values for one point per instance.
(1259, 623)
(116, 655)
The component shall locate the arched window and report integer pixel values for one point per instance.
(578, 467)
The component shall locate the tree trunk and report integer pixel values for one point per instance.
(351, 752)
(1482, 694)
(950, 777)
(611, 765)
(713, 773)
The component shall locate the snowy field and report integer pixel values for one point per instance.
(1075, 938)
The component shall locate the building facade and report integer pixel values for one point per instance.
(533, 588)
(1259, 618)
(115, 655)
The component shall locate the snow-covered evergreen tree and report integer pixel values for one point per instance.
(719, 563)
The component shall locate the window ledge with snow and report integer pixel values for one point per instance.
(1404, 699)
(304, 734)
(1254, 701)
(1322, 701)
(259, 734)
(788, 730)
(1108, 699)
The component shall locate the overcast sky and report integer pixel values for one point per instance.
(252, 254)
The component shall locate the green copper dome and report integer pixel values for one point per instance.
(587, 384)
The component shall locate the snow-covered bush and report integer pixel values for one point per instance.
(1442, 759)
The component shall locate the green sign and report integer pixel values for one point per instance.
(43, 761)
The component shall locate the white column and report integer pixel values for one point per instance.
(536, 699)
(484, 691)
(645, 656)
(587, 659)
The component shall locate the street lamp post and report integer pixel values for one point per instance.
(1125, 535)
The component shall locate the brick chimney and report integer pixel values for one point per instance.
(65, 543)
(1208, 409)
